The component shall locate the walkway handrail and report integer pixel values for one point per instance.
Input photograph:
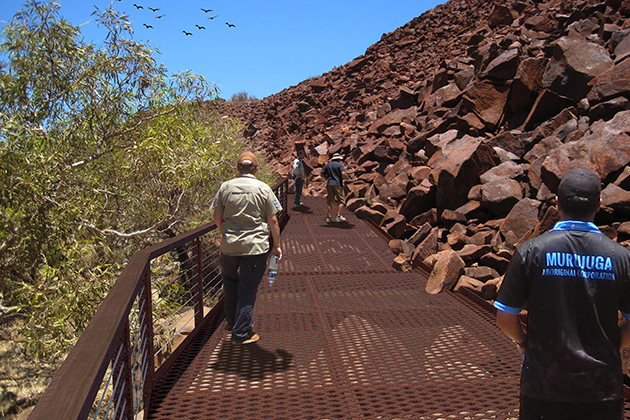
(149, 306)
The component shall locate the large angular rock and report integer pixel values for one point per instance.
(551, 217)
(490, 289)
(395, 227)
(398, 246)
(623, 180)
(620, 44)
(366, 212)
(471, 252)
(468, 283)
(446, 271)
(487, 101)
(354, 203)
(421, 233)
(461, 169)
(482, 237)
(402, 263)
(547, 103)
(508, 145)
(610, 84)
(495, 261)
(450, 217)
(503, 67)
(605, 150)
(457, 240)
(394, 118)
(530, 73)
(606, 110)
(471, 209)
(506, 170)
(445, 96)
(623, 231)
(522, 218)
(501, 195)
(427, 247)
(430, 216)
(574, 63)
(501, 16)
(616, 198)
(481, 273)
(418, 200)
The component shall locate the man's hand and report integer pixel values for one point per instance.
(275, 236)
(277, 252)
(511, 326)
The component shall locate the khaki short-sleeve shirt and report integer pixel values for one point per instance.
(245, 204)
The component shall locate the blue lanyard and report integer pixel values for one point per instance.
(578, 225)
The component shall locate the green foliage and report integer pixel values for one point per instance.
(101, 153)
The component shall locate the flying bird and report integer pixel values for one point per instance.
(147, 26)
(200, 27)
(212, 17)
(138, 7)
(187, 33)
(230, 25)
(160, 17)
(153, 10)
(206, 10)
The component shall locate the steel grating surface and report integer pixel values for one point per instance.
(345, 336)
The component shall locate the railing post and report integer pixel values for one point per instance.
(285, 194)
(147, 332)
(123, 396)
(198, 284)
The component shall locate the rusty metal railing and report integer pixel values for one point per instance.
(160, 302)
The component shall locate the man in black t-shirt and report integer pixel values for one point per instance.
(572, 281)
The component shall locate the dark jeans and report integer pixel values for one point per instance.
(535, 409)
(241, 276)
(299, 183)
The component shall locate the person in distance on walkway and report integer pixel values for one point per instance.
(245, 212)
(572, 280)
(299, 175)
(334, 173)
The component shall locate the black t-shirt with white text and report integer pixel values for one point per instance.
(573, 281)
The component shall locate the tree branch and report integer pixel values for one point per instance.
(119, 134)
(106, 232)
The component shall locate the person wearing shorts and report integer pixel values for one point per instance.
(334, 173)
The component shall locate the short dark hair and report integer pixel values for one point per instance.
(247, 163)
(247, 168)
(579, 193)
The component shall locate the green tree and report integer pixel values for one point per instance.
(242, 97)
(101, 152)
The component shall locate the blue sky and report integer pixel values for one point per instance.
(274, 45)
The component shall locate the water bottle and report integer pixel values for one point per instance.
(273, 269)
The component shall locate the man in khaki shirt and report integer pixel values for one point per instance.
(245, 211)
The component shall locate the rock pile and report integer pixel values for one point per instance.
(457, 127)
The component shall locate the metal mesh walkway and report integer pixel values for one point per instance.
(345, 336)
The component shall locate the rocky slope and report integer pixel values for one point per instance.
(457, 127)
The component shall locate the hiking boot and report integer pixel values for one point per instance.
(341, 219)
(328, 220)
